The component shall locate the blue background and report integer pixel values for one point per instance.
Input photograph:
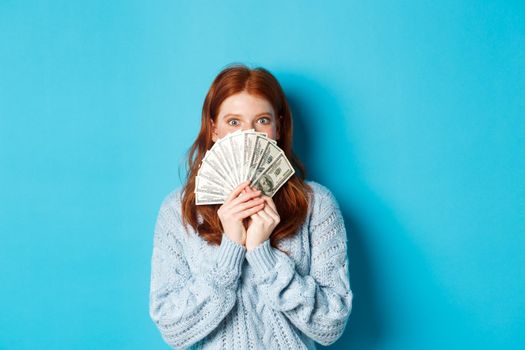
(411, 112)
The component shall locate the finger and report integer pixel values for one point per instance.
(237, 190)
(243, 206)
(250, 212)
(270, 202)
(269, 210)
(242, 197)
(245, 191)
(245, 197)
(251, 189)
(256, 217)
(265, 216)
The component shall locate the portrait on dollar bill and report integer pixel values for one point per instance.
(265, 184)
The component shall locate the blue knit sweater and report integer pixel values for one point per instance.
(225, 297)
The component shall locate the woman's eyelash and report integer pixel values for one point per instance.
(234, 122)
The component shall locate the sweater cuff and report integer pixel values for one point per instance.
(231, 254)
(261, 258)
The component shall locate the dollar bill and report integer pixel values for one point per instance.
(206, 199)
(203, 185)
(209, 173)
(269, 155)
(249, 145)
(212, 158)
(225, 153)
(275, 176)
(261, 142)
(237, 148)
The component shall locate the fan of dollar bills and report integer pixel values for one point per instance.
(238, 157)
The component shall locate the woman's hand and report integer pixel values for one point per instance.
(236, 208)
(262, 223)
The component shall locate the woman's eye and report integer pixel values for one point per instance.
(233, 122)
(264, 120)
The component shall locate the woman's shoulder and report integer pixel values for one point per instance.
(171, 202)
(319, 192)
(322, 199)
(174, 195)
(317, 188)
(170, 212)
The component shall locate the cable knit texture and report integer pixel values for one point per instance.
(225, 297)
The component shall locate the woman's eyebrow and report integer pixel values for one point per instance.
(232, 114)
(240, 115)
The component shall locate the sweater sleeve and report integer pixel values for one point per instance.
(186, 306)
(319, 303)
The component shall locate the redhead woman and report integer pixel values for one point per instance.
(255, 272)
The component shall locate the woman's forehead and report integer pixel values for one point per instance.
(244, 97)
(239, 104)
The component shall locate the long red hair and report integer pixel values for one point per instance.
(292, 198)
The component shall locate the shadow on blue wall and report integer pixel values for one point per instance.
(307, 98)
